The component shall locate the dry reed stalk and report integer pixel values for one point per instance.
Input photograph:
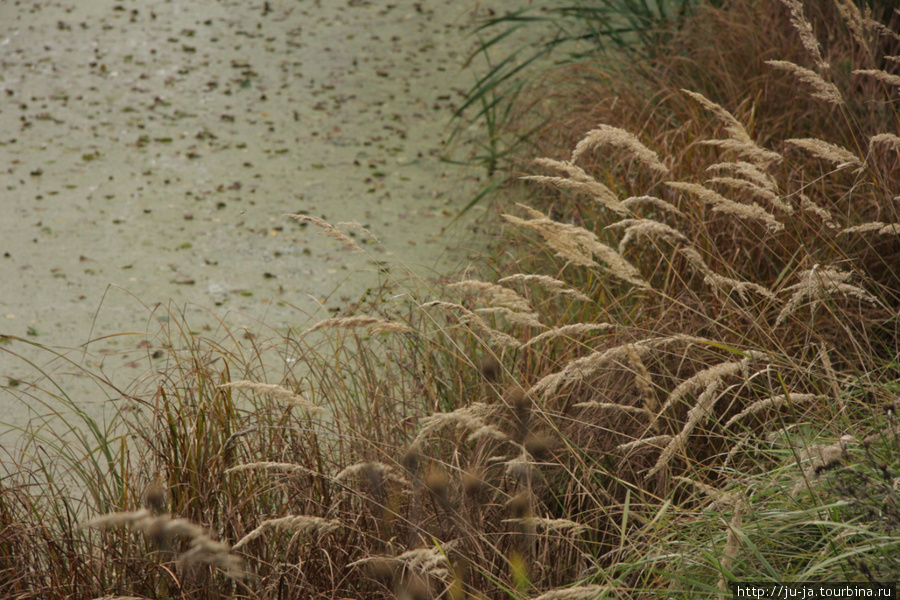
(705, 403)
(720, 282)
(740, 141)
(889, 139)
(358, 227)
(274, 466)
(581, 368)
(567, 331)
(372, 325)
(471, 417)
(882, 76)
(561, 526)
(760, 192)
(773, 402)
(277, 392)
(716, 373)
(633, 201)
(431, 561)
(841, 157)
(807, 37)
(577, 179)
(748, 171)
(637, 410)
(818, 284)
(724, 205)
(527, 319)
(732, 544)
(470, 318)
(581, 592)
(328, 230)
(162, 529)
(876, 227)
(811, 207)
(648, 228)
(644, 382)
(860, 25)
(823, 90)
(655, 441)
(373, 471)
(606, 135)
(548, 283)
(579, 246)
(497, 294)
(832, 377)
(504, 301)
(296, 523)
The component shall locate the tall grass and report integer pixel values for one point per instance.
(684, 376)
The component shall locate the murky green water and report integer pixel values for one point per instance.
(150, 150)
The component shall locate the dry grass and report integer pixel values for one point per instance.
(672, 387)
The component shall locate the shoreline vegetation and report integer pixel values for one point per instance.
(678, 370)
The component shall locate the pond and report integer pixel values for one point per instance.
(152, 149)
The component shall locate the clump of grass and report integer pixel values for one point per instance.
(686, 378)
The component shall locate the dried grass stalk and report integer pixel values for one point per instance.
(290, 523)
(720, 282)
(882, 76)
(606, 135)
(567, 331)
(811, 207)
(732, 545)
(773, 402)
(582, 368)
(470, 318)
(372, 325)
(633, 201)
(648, 228)
(644, 382)
(548, 283)
(818, 284)
(823, 90)
(860, 25)
(577, 179)
(748, 171)
(276, 392)
(841, 157)
(705, 403)
(807, 37)
(581, 592)
(636, 410)
(562, 526)
(704, 378)
(274, 466)
(760, 192)
(497, 294)
(528, 319)
(656, 441)
(470, 417)
(724, 205)
(876, 227)
(329, 230)
(740, 141)
(885, 138)
(162, 529)
(373, 471)
(579, 246)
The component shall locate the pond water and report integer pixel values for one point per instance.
(151, 149)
